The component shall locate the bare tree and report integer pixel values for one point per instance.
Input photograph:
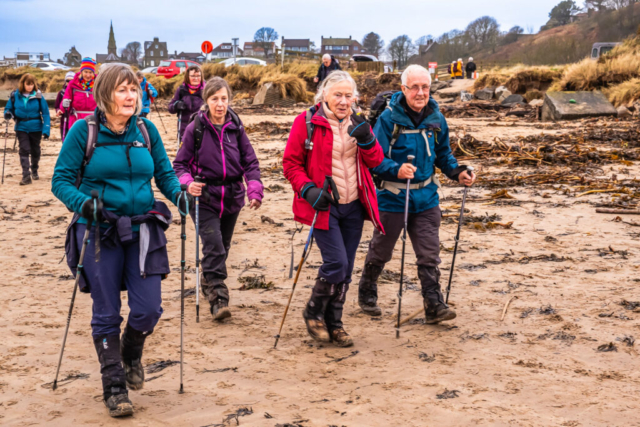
(400, 49)
(373, 43)
(132, 53)
(598, 5)
(424, 40)
(264, 37)
(483, 32)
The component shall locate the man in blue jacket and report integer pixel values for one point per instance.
(149, 93)
(411, 125)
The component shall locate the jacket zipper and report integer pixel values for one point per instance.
(344, 165)
(224, 166)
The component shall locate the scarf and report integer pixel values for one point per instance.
(87, 86)
(194, 89)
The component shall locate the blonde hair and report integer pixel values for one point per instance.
(110, 77)
(333, 78)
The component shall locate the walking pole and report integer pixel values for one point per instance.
(198, 179)
(85, 243)
(158, 112)
(304, 256)
(455, 248)
(183, 235)
(178, 137)
(4, 157)
(404, 244)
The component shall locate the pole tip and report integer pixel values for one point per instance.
(55, 385)
(181, 389)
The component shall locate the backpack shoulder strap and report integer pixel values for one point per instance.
(234, 118)
(198, 133)
(397, 130)
(92, 138)
(308, 144)
(142, 127)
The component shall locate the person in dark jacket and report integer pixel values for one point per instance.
(224, 157)
(64, 119)
(343, 148)
(149, 94)
(188, 98)
(29, 110)
(329, 64)
(412, 125)
(470, 68)
(131, 224)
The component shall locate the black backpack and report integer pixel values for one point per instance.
(92, 143)
(378, 105)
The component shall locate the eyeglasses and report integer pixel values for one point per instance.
(416, 88)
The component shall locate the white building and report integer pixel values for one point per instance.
(26, 58)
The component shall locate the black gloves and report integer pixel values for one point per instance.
(8, 115)
(318, 198)
(179, 105)
(45, 136)
(92, 209)
(361, 131)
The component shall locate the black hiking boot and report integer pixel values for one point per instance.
(119, 405)
(131, 346)
(368, 290)
(34, 175)
(341, 338)
(220, 310)
(217, 294)
(314, 312)
(26, 180)
(114, 388)
(435, 309)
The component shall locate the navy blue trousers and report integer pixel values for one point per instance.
(338, 244)
(118, 266)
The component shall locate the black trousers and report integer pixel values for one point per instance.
(216, 234)
(29, 143)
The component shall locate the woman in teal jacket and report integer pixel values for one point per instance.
(132, 252)
(30, 111)
(149, 93)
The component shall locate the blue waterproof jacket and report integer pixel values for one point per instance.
(31, 113)
(438, 155)
(147, 88)
(121, 173)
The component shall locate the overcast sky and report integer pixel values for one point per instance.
(55, 25)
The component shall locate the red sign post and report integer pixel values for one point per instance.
(207, 47)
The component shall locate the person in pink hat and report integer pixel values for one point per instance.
(78, 101)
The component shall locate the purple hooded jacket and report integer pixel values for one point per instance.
(226, 161)
(192, 102)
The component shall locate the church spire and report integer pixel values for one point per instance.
(111, 48)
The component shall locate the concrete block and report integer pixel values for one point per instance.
(576, 105)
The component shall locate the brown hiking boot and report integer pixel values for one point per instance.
(26, 180)
(436, 313)
(220, 310)
(317, 330)
(119, 405)
(341, 338)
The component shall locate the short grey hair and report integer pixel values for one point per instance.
(213, 85)
(333, 78)
(326, 56)
(414, 68)
(108, 79)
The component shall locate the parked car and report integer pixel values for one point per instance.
(171, 68)
(363, 58)
(244, 61)
(150, 70)
(49, 66)
(600, 49)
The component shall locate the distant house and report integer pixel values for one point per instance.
(255, 49)
(26, 58)
(191, 56)
(72, 58)
(296, 45)
(8, 62)
(341, 46)
(154, 52)
(225, 50)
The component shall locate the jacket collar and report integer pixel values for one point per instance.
(229, 123)
(400, 117)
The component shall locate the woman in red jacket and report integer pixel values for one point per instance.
(343, 147)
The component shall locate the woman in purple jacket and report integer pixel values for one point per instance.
(188, 98)
(214, 157)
